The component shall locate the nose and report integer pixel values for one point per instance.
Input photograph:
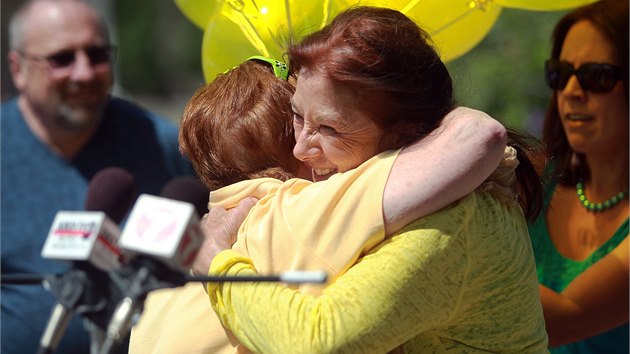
(573, 87)
(306, 145)
(82, 69)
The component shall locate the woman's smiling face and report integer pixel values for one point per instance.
(332, 134)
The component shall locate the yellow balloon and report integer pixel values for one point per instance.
(544, 5)
(242, 28)
(456, 26)
(198, 11)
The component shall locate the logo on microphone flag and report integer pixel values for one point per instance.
(84, 236)
(164, 228)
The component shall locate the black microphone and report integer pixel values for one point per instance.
(112, 191)
(89, 240)
(188, 189)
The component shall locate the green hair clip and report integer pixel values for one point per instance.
(280, 69)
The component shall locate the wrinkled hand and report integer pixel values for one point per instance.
(501, 183)
(220, 226)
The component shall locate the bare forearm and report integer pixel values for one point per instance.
(442, 168)
(594, 302)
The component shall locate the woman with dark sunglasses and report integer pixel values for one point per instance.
(580, 240)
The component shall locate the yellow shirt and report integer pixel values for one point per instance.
(461, 280)
(296, 225)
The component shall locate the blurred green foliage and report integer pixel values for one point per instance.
(503, 75)
(160, 50)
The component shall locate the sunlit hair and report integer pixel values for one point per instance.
(391, 64)
(610, 17)
(238, 127)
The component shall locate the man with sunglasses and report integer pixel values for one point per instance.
(61, 130)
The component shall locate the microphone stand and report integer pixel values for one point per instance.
(83, 290)
(97, 336)
(132, 283)
(22, 279)
(56, 327)
(138, 277)
(285, 277)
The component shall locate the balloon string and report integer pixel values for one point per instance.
(325, 14)
(248, 29)
(287, 8)
(413, 3)
(453, 21)
(272, 31)
(409, 6)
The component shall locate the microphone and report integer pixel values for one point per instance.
(88, 239)
(164, 236)
(165, 229)
(92, 235)
(88, 236)
(112, 191)
(188, 189)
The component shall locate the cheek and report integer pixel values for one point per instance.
(42, 89)
(108, 78)
(613, 104)
(103, 81)
(615, 118)
(348, 155)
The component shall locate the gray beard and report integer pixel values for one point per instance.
(78, 118)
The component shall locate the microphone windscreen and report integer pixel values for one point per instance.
(188, 189)
(112, 191)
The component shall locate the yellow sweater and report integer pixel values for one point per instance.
(461, 280)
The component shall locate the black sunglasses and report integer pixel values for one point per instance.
(594, 77)
(65, 58)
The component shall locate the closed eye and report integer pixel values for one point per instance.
(327, 130)
(298, 119)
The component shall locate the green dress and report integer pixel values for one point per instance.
(556, 272)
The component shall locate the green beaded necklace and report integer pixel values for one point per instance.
(598, 207)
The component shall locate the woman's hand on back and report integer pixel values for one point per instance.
(220, 226)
